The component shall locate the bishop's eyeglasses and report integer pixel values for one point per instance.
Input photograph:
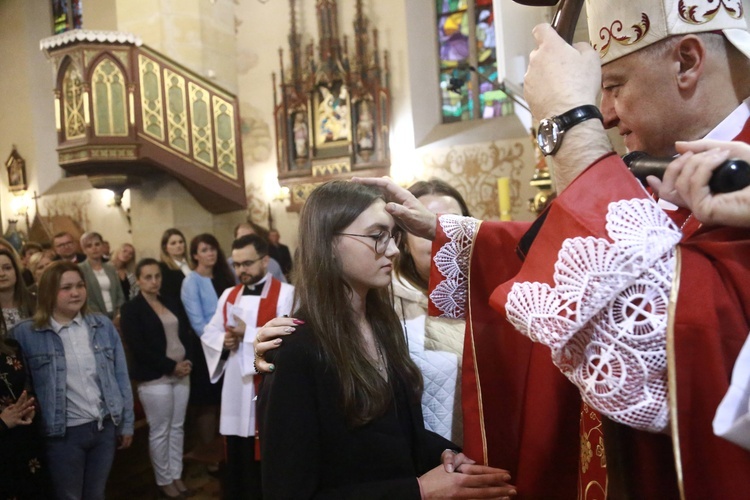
(381, 239)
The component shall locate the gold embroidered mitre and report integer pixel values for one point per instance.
(620, 27)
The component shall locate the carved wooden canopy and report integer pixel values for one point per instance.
(124, 111)
(333, 113)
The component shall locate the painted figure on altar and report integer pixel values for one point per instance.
(300, 135)
(333, 114)
(365, 127)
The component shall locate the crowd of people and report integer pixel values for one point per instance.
(78, 328)
(601, 351)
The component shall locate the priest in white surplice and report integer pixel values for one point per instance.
(228, 346)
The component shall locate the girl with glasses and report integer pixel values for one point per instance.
(340, 415)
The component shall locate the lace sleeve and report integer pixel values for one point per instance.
(605, 318)
(452, 261)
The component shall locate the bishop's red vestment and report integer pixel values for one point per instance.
(644, 312)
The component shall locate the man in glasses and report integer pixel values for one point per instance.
(65, 248)
(245, 228)
(227, 344)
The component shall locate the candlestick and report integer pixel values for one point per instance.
(503, 195)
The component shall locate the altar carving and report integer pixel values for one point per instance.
(332, 112)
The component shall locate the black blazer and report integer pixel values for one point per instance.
(307, 449)
(144, 334)
(171, 282)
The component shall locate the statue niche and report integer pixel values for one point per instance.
(333, 110)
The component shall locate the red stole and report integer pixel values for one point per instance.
(266, 312)
(520, 412)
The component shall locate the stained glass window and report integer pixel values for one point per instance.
(467, 45)
(67, 15)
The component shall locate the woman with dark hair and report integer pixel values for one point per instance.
(103, 287)
(435, 344)
(340, 415)
(77, 366)
(175, 263)
(158, 333)
(210, 277)
(200, 294)
(16, 301)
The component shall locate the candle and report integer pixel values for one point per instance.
(503, 194)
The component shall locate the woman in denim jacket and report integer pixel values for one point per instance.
(78, 372)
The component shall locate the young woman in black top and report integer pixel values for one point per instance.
(340, 415)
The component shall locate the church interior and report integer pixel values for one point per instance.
(235, 126)
(128, 117)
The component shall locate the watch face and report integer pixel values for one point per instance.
(548, 137)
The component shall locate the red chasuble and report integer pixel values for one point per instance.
(708, 322)
(522, 414)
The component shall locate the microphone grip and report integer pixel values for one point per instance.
(732, 175)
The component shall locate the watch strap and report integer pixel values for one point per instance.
(571, 118)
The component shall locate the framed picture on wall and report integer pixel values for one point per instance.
(16, 172)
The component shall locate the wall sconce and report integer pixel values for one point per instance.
(275, 191)
(115, 186)
(21, 203)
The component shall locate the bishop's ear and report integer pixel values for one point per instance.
(690, 52)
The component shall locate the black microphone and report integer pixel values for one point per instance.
(732, 175)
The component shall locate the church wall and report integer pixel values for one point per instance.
(26, 113)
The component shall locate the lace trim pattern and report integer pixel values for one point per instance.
(605, 319)
(452, 261)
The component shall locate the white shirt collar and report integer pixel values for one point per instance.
(56, 327)
(732, 125)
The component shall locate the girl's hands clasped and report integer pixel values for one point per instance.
(19, 413)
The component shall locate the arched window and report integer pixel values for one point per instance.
(467, 44)
(110, 111)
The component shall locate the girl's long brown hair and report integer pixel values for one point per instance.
(322, 295)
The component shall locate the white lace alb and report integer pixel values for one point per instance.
(605, 319)
(452, 261)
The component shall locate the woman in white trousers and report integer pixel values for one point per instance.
(157, 333)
